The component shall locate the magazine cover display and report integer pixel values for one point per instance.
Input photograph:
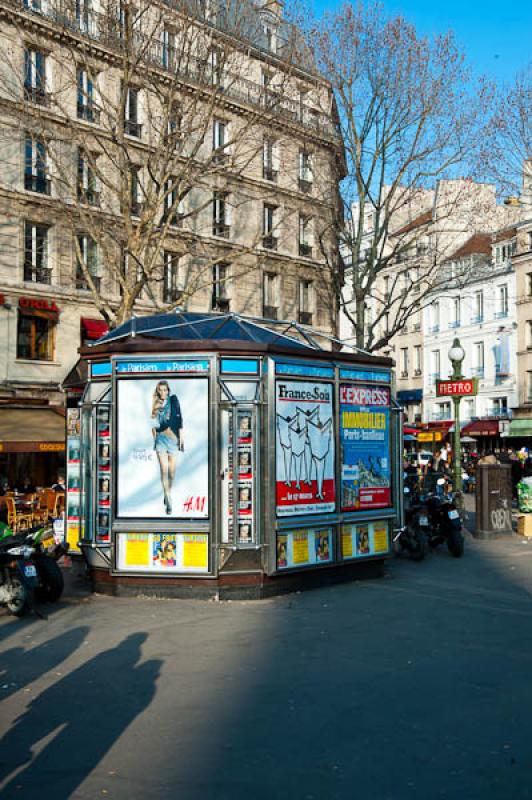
(163, 448)
(103, 470)
(304, 448)
(73, 476)
(241, 474)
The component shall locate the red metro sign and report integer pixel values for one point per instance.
(463, 388)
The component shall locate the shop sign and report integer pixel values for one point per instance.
(163, 448)
(51, 447)
(365, 440)
(132, 367)
(38, 304)
(304, 448)
(461, 388)
(366, 375)
(303, 370)
(436, 436)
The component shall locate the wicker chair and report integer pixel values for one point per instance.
(17, 521)
(40, 512)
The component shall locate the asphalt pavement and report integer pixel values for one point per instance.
(417, 685)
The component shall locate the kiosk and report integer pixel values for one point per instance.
(224, 456)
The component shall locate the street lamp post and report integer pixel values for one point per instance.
(456, 356)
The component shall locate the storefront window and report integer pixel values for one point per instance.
(35, 336)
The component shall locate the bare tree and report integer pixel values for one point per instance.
(146, 146)
(410, 115)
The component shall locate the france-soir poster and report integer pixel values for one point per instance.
(365, 443)
(163, 448)
(304, 448)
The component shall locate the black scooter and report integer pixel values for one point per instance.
(18, 577)
(410, 538)
(438, 518)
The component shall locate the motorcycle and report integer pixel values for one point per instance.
(18, 577)
(438, 518)
(45, 554)
(410, 537)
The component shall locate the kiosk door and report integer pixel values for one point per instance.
(239, 474)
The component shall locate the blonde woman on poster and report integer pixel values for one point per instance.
(167, 430)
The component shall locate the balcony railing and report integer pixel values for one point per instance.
(305, 185)
(434, 329)
(36, 95)
(37, 183)
(89, 197)
(220, 304)
(439, 416)
(501, 314)
(455, 324)
(477, 372)
(132, 128)
(37, 274)
(305, 317)
(499, 413)
(477, 319)
(107, 30)
(220, 229)
(269, 242)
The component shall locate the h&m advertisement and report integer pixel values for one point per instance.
(304, 448)
(365, 442)
(163, 448)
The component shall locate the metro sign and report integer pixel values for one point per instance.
(467, 386)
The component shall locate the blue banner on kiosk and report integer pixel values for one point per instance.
(139, 367)
(101, 370)
(366, 375)
(304, 370)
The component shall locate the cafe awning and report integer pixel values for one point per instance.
(93, 329)
(520, 427)
(481, 427)
(31, 430)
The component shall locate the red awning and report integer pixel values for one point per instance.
(443, 425)
(94, 328)
(481, 427)
(410, 430)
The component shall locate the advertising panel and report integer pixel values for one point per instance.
(304, 547)
(365, 442)
(163, 552)
(73, 477)
(365, 539)
(304, 448)
(163, 448)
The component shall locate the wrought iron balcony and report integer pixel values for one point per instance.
(305, 317)
(88, 112)
(220, 229)
(270, 174)
(305, 186)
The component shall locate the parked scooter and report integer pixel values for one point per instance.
(18, 577)
(410, 538)
(438, 518)
(45, 554)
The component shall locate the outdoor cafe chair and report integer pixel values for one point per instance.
(17, 520)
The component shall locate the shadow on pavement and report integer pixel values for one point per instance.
(83, 729)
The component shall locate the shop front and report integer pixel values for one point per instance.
(213, 456)
(32, 445)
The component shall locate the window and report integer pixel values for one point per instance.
(174, 123)
(270, 295)
(86, 107)
(455, 323)
(478, 368)
(305, 171)
(220, 139)
(269, 240)
(132, 125)
(171, 290)
(35, 165)
(136, 205)
(35, 76)
(387, 292)
(87, 183)
(302, 104)
(416, 320)
(404, 362)
(529, 334)
(418, 360)
(217, 68)
(306, 302)
(221, 218)
(529, 386)
(173, 206)
(435, 317)
(168, 48)
(36, 262)
(220, 293)
(88, 256)
(270, 36)
(479, 307)
(270, 160)
(499, 407)
(305, 236)
(443, 411)
(84, 16)
(529, 283)
(503, 302)
(36, 335)
(469, 408)
(435, 357)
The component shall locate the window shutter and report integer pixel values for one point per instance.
(276, 156)
(228, 209)
(310, 232)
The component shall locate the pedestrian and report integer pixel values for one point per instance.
(59, 485)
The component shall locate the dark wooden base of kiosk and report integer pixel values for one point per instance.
(248, 586)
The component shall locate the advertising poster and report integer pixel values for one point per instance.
(73, 478)
(304, 448)
(304, 547)
(365, 442)
(163, 448)
(163, 552)
(366, 539)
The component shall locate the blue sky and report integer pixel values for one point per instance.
(496, 34)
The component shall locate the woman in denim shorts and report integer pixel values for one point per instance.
(167, 429)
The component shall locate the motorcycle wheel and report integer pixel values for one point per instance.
(455, 544)
(418, 545)
(20, 597)
(51, 580)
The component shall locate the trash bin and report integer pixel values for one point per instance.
(493, 500)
